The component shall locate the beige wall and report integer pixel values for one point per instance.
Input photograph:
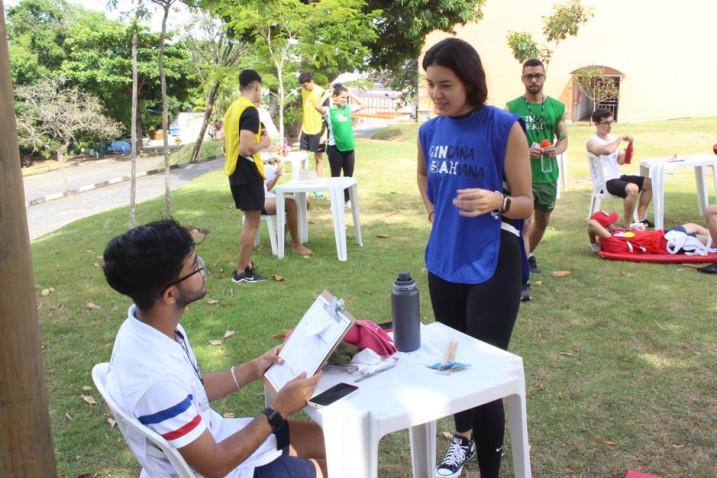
(667, 51)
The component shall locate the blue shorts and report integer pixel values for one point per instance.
(681, 229)
(286, 467)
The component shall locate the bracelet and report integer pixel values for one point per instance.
(432, 213)
(234, 377)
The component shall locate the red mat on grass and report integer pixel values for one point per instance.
(636, 474)
(663, 258)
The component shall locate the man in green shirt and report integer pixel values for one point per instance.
(545, 124)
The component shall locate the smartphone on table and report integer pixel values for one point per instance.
(333, 394)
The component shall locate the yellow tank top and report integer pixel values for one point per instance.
(311, 121)
(231, 137)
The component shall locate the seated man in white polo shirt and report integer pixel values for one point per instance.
(154, 374)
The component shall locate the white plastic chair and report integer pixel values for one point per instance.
(127, 422)
(270, 221)
(600, 193)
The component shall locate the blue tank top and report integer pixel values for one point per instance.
(464, 152)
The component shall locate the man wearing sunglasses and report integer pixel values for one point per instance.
(547, 136)
(155, 377)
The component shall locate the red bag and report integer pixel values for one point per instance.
(639, 242)
(366, 334)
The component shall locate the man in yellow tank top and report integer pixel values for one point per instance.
(244, 139)
(312, 123)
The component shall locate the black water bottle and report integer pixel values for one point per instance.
(405, 313)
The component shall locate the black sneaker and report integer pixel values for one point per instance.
(647, 223)
(249, 275)
(458, 454)
(710, 269)
(526, 293)
(534, 269)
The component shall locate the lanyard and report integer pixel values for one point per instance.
(183, 343)
(538, 122)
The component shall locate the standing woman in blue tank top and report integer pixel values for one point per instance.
(474, 179)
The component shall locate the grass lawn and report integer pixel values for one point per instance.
(620, 358)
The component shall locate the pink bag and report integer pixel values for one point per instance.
(365, 334)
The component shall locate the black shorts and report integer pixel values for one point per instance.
(312, 142)
(616, 187)
(247, 186)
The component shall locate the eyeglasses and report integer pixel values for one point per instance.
(200, 268)
(534, 76)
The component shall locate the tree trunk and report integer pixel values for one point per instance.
(165, 114)
(25, 437)
(207, 117)
(133, 127)
(282, 97)
(61, 162)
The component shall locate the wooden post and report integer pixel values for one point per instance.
(25, 437)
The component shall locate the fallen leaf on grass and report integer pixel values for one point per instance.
(86, 388)
(198, 234)
(279, 336)
(277, 277)
(45, 292)
(99, 257)
(538, 282)
(687, 348)
(229, 415)
(306, 257)
(447, 435)
(562, 273)
(567, 354)
(68, 416)
(112, 422)
(212, 301)
(88, 399)
(216, 342)
(382, 236)
(678, 446)
(228, 334)
(609, 442)
(92, 306)
(98, 265)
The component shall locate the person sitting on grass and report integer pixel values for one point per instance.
(273, 172)
(155, 377)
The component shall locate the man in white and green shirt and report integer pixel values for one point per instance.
(545, 123)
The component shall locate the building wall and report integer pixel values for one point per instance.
(667, 52)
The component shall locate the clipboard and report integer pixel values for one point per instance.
(312, 341)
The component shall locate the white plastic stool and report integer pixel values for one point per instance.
(271, 229)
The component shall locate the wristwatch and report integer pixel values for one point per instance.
(274, 417)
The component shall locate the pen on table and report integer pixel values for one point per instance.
(364, 377)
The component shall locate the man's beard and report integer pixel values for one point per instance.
(185, 299)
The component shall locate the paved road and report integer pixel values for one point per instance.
(84, 174)
(49, 216)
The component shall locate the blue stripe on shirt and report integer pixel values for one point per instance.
(170, 412)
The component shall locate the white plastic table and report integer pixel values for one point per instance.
(412, 396)
(654, 168)
(335, 188)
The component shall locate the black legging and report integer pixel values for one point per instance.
(339, 160)
(487, 312)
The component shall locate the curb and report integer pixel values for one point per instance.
(109, 182)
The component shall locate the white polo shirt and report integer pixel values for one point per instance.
(609, 161)
(158, 381)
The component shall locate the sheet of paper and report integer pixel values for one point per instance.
(310, 343)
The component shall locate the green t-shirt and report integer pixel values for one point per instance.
(342, 128)
(541, 122)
